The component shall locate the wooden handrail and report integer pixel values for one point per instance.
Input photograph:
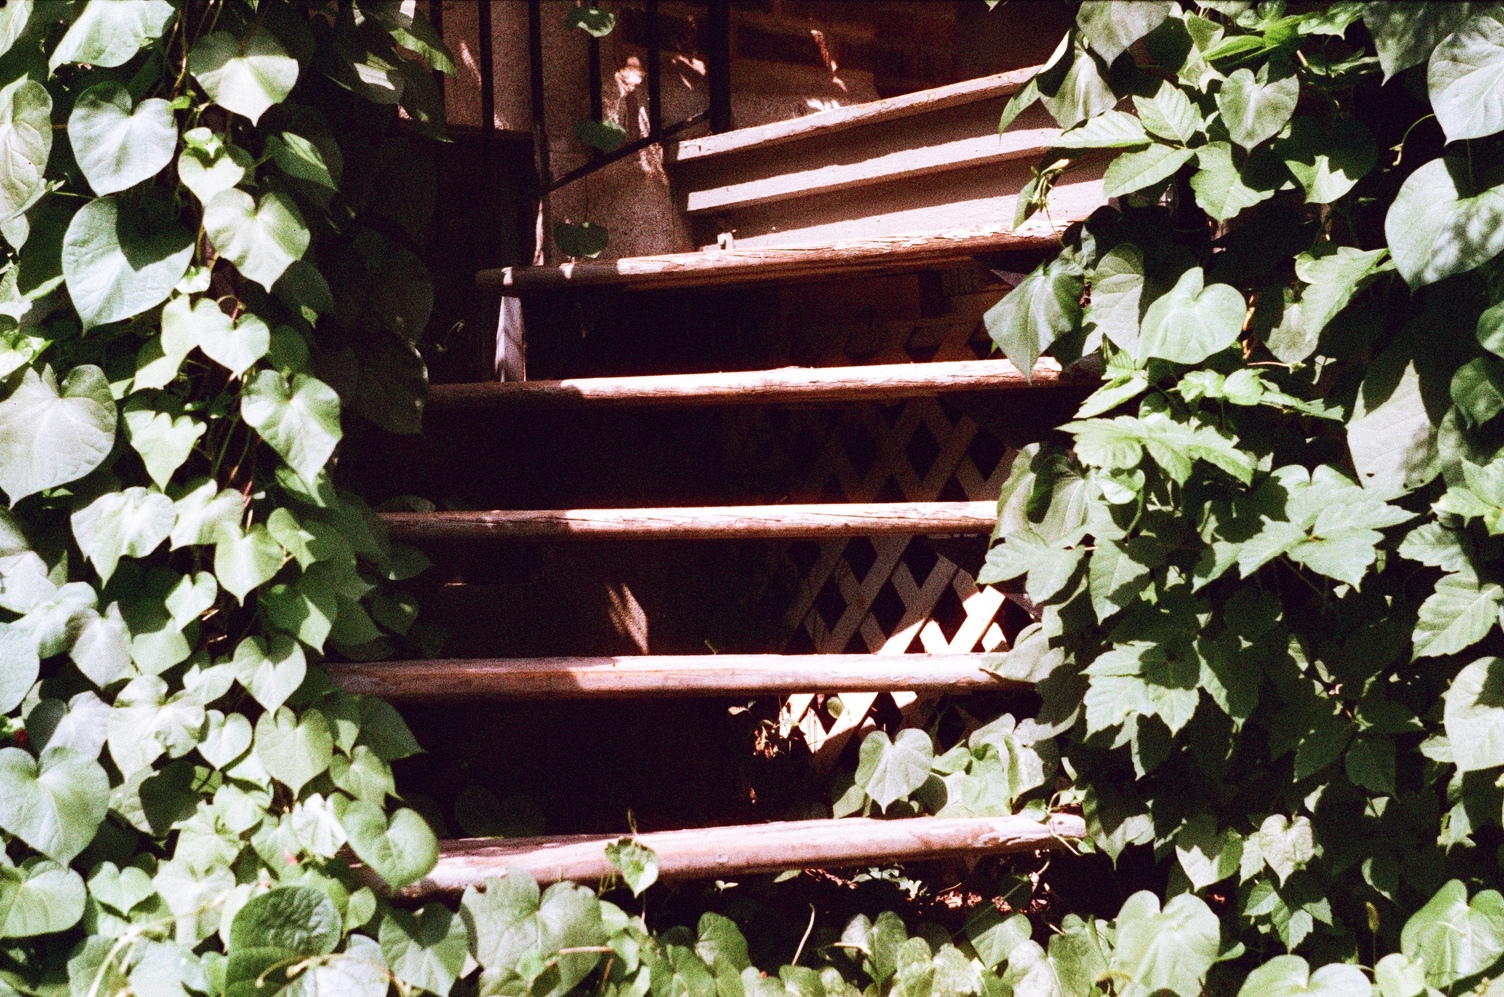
(747, 849)
(468, 680)
(785, 386)
(732, 522)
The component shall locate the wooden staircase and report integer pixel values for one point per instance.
(855, 192)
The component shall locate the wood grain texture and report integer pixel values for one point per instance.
(722, 852)
(733, 522)
(787, 386)
(840, 119)
(719, 267)
(903, 163)
(473, 679)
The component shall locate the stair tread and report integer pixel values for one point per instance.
(731, 522)
(880, 382)
(460, 679)
(739, 266)
(839, 119)
(749, 848)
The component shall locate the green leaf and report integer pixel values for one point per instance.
(1291, 976)
(1222, 188)
(587, 240)
(1286, 845)
(401, 851)
(359, 971)
(163, 442)
(426, 950)
(591, 19)
(1435, 230)
(1328, 160)
(1456, 616)
(510, 921)
(50, 436)
(206, 173)
(1136, 170)
(1043, 307)
(294, 749)
(270, 673)
(301, 424)
(261, 238)
(242, 561)
(1397, 976)
(129, 523)
(226, 738)
(162, 356)
(300, 158)
(39, 898)
(1120, 444)
(1192, 321)
(637, 863)
(1455, 939)
(1108, 130)
(25, 145)
(1254, 109)
(1477, 390)
(1117, 285)
(1205, 855)
(273, 932)
(1466, 78)
(108, 33)
(1406, 33)
(306, 609)
(607, 136)
(1079, 93)
(1138, 678)
(235, 346)
(117, 142)
(118, 264)
(245, 77)
(1110, 28)
(1169, 114)
(1390, 435)
(1474, 715)
(890, 770)
(1020, 102)
(1332, 276)
(1170, 949)
(993, 936)
(54, 805)
(204, 512)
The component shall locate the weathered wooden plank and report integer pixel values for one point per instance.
(840, 119)
(718, 267)
(471, 679)
(721, 852)
(733, 522)
(787, 386)
(904, 163)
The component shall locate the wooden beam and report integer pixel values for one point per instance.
(732, 522)
(451, 680)
(901, 163)
(719, 267)
(839, 119)
(785, 386)
(723, 852)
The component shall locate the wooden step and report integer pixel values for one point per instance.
(720, 267)
(785, 386)
(732, 522)
(454, 680)
(725, 852)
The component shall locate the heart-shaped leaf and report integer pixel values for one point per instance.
(294, 749)
(637, 863)
(1436, 231)
(427, 950)
(261, 238)
(303, 159)
(401, 851)
(1466, 78)
(117, 142)
(117, 264)
(129, 523)
(50, 436)
(1255, 110)
(890, 770)
(54, 804)
(108, 32)
(1192, 321)
(1164, 950)
(246, 77)
(190, 597)
(204, 513)
(102, 649)
(587, 240)
(275, 931)
(243, 561)
(1475, 715)
(234, 346)
(39, 898)
(162, 356)
(606, 136)
(164, 442)
(1455, 939)
(510, 919)
(207, 165)
(270, 673)
(227, 738)
(25, 144)
(306, 609)
(301, 424)
(1328, 161)
(1291, 976)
